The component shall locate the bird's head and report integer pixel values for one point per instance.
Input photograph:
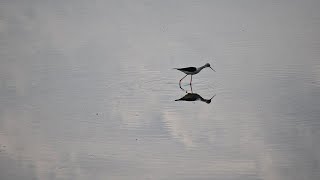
(208, 65)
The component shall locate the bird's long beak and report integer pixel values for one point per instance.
(212, 69)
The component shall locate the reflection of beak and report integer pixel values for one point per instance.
(213, 96)
(212, 69)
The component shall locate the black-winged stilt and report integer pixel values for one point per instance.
(194, 97)
(192, 71)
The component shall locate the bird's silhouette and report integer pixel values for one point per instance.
(192, 71)
(194, 97)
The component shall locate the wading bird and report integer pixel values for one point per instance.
(192, 71)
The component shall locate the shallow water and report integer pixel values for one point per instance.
(88, 90)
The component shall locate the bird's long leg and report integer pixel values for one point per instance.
(191, 80)
(182, 78)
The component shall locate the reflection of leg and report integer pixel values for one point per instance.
(191, 88)
(183, 89)
(181, 79)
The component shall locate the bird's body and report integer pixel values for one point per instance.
(189, 70)
(192, 71)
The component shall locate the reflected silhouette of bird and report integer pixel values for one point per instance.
(194, 97)
(192, 71)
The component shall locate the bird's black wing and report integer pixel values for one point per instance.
(189, 69)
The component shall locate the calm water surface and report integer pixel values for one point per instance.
(87, 90)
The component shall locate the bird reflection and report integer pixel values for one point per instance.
(194, 97)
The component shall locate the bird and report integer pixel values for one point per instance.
(192, 71)
(194, 97)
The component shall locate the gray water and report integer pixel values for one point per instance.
(87, 90)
